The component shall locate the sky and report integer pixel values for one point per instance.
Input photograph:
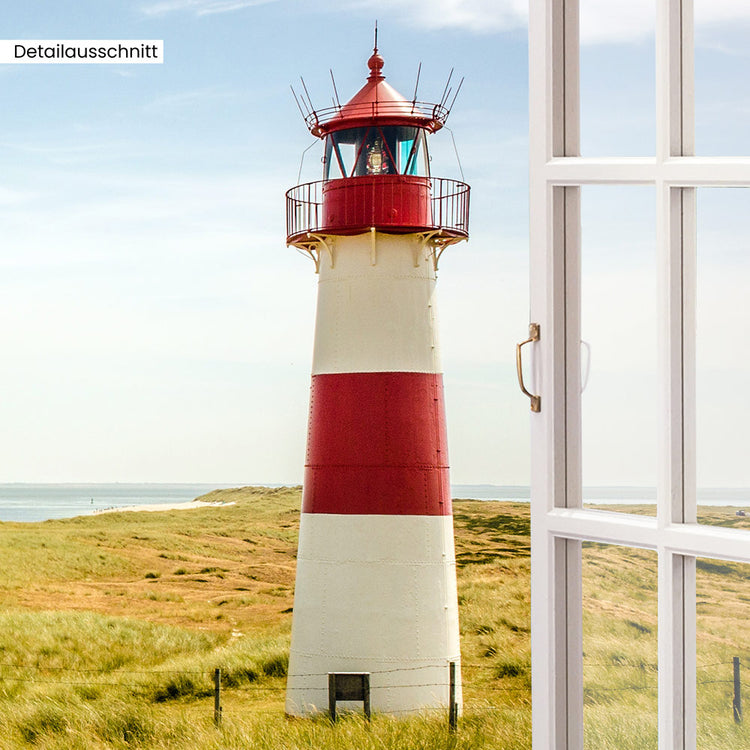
(155, 327)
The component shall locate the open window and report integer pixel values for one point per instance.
(681, 305)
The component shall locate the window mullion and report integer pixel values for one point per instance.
(674, 79)
(672, 649)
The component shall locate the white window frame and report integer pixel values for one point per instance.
(559, 521)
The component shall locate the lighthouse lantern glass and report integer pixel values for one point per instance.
(388, 149)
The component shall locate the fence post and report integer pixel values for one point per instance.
(452, 706)
(217, 697)
(366, 698)
(332, 696)
(737, 702)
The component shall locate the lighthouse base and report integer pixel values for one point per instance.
(375, 594)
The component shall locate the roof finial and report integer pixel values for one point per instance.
(376, 62)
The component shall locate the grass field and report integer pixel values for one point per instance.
(620, 644)
(112, 625)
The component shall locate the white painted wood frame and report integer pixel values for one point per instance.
(559, 521)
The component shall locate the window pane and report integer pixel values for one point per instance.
(349, 147)
(414, 151)
(723, 636)
(619, 648)
(404, 144)
(333, 169)
(404, 151)
(618, 348)
(723, 356)
(376, 150)
(722, 88)
(618, 96)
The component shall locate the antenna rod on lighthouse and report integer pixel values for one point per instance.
(299, 106)
(455, 96)
(312, 106)
(376, 35)
(416, 86)
(336, 93)
(446, 91)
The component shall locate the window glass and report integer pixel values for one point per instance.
(377, 157)
(344, 148)
(333, 165)
(620, 672)
(723, 654)
(619, 349)
(618, 80)
(416, 162)
(722, 369)
(404, 152)
(721, 80)
(376, 150)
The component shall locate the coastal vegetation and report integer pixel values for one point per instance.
(112, 625)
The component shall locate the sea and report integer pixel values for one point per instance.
(41, 502)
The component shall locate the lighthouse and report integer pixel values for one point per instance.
(375, 590)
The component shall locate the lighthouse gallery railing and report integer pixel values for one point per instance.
(449, 202)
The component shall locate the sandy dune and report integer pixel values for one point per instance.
(165, 506)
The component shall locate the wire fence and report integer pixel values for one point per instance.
(39, 674)
(642, 666)
(736, 683)
(204, 673)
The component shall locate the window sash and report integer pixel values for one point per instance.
(559, 522)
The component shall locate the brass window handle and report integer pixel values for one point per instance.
(536, 401)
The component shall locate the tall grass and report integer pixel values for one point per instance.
(620, 649)
(112, 640)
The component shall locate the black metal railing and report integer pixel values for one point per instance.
(435, 113)
(304, 209)
(450, 205)
(449, 202)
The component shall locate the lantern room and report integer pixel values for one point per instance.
(376, 150)
(376, 170)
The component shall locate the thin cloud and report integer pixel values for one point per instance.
(185, 99)
(477, 16)
(57, 148)
(629, 21)
(9, 197)
(614, 21)
(721, 11)
(617, 21)
(725, 49)
(200, 7)
(61, 153)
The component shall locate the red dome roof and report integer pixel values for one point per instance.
(377, 101)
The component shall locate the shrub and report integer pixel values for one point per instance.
(127, 724)
(48, 718)
(275, 665)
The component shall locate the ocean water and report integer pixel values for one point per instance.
(40, 502)
(516, 493)
(736, 497)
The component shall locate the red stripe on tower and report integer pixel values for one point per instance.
(377, 444)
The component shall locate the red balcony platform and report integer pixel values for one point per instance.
(396, 204)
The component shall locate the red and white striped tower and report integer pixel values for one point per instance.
(376, 574)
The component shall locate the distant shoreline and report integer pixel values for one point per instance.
(38, 502)
(162, 507)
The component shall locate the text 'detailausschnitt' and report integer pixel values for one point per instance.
(113, 51)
